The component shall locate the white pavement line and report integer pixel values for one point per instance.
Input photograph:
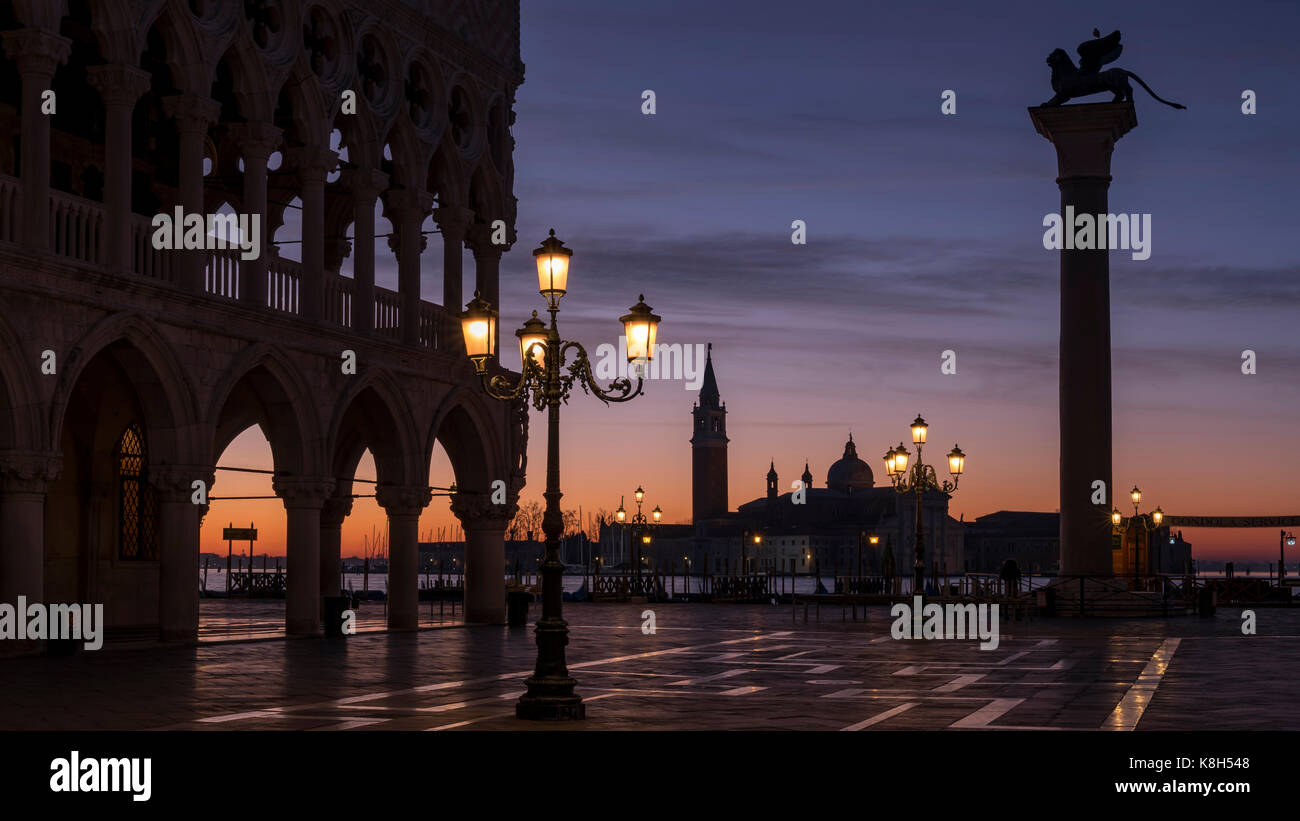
(460, 705)
(353, 723)
(715, 677)
(1012, 658)
(742, 691)
(797, 655)
(491, 716)
(238, 716)
(982, 716)
(777, 635)
(724, 657)
(958, 683)
(449, 684)
(1128, 712)
(821, 668)
(882, 638)
(879, 717)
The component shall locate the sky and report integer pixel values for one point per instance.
(924, 234)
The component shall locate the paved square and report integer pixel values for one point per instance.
(706, 667)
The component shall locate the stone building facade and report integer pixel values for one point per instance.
(125, 370)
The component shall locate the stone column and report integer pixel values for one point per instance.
(332, 515)
(403, 505)
(38, 53)
(178, 539)
(24, 479)
(257, 142)
(366, 185)
(119, 86)
(454, 224)
(303, 501)
(487, 268)
(313, 164)
(193, 115)
(1084, 137)
(485, 555)
(406, 209)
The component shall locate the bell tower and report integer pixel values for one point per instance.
(709, 449)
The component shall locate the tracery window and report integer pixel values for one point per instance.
(137, 506)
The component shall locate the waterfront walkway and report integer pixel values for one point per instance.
(705, 667)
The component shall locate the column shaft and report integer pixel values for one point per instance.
(38, 53)
(485, 570)
(257, 141)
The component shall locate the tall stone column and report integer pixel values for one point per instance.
(38, 53)
(406, 209)
(119, 86)
(485, 555)
(366, 185)
(24, 479)
(1084, 137)
(454, 225)
(313, 164)
(257, 142)
(487, 267)
(178, 539)
(193, 116)
(332, 515)
(403, 505)
(303, 501)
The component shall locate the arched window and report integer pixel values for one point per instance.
(137, 507)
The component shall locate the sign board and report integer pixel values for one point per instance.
(239, 534)
(1116, 541)
(1232, 521)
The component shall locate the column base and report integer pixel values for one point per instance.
(550, 699)
(1111, 597)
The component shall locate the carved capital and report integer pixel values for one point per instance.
(36, 51)
(303, 493)
(479, 239)
(118, 84)
(175, 483)
(256, 140)
(453, 222)
(313, 162)
(477, 512)
(24, 471)
(407, 205)
(336, 509)
(192, 113)
(403, 500)
(366, 184)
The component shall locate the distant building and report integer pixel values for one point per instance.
(821, 533)
(1033, 540)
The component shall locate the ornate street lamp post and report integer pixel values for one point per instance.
(1284, 540)
(640, 524)
(920, 479)
(549, 380)
(1141, 523)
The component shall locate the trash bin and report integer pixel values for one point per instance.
(1047, 602)
(333, 615)
(1206, 601)
(517, 602)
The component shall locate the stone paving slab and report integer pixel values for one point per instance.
(706, 667)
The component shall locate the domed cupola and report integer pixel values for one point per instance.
(850, 473)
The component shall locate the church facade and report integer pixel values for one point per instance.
(809, 529)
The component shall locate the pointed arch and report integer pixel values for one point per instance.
(263, 387)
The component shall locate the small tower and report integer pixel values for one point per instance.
(807, 476)
(709, 449)
(771, 482)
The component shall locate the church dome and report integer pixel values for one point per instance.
(850, 473)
